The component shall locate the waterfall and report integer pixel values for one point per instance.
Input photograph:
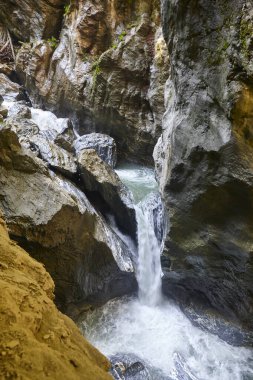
(149, 266)
(156, 334)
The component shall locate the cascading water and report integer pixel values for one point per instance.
(153, 330)
(149, 271)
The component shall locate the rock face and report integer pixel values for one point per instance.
(36, 340)
(32, 18)
(204, 157)
(112, 63)
(98, 177)
(57, 224)
(104, 146)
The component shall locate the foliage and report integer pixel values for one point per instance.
(53, 42)
(66, 9)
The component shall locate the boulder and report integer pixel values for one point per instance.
(104, 146)
(19, 109)
(9, 90)
(58, 226)
(100, 179)
(60, 130)
(32, 138)
(37, 341)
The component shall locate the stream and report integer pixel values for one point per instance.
(151, 332)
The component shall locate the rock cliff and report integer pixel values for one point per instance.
(105, 67)
(204, 157)
(36, 340)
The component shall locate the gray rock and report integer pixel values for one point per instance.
(19, 109)
(204, 157)
(57, 225)
(111, 72)
(101, 180)
(32, 138)
(104, 146)
(157, 215)
(9, 90)
(58, 130)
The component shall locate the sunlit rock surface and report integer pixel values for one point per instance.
(36, 340)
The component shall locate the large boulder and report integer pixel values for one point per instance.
(37, 341)
(57, 225)
(31, 137)
(204, 157)
(101, 180)
(104, 146)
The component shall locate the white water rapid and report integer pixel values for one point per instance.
(152, 329)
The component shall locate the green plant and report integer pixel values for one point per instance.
(53, 42)
(66, 9)
(122, 36)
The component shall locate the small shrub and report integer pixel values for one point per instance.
(53, 42)
(66, 9)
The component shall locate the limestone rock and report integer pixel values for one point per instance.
(36, 340)
(56, 223)
(10, 90)
(32, 19)
(30, 137)
(99, 177)
(112, 64)
(104, 146)
(205, 156)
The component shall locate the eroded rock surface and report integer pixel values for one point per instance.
(104, 145)
(99, 177)
(111, 63)
(57, 224)
(36, 340)
(204, 158)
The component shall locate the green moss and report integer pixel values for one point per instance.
(246, 32)
(122, 36)
(53, 42)
(66, 9)
(96, 72)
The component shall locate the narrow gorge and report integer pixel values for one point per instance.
(126, 189)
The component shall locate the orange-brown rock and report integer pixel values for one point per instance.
(37, 341)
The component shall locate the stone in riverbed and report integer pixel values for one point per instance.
(104, 145)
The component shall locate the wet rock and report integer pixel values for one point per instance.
(204, 157)
(32, 19)
(131, 367)
(8, 89)
(104, 146)
(3, 111)
(98, 177)
(32, 138)
(112, 72)
(60, 130)
(157, 216)
(1, 100)
(19, 109)
(58, 226)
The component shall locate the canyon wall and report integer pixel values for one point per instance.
(105, 67)
(205, 156)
